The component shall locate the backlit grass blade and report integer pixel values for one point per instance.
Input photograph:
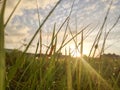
(69, 74)
(52, 40)
(39, 26)
(81, 49)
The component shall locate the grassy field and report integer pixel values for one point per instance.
(64, 73)
(51, 71)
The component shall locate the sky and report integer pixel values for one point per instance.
(25, 22)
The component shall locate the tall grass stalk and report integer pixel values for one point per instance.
(80, 64)
(69, 75)
(52, 46)
(81, 49)
(2, 50)
(68, 72)
(39, 26)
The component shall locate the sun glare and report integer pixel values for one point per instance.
(85, 52)
(76, 52)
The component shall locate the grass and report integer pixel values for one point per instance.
(64, 74)
(22, 71)
(2, 51)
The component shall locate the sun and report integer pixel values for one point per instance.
(76, 52)
(85, 52)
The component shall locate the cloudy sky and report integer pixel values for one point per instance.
(24, 22)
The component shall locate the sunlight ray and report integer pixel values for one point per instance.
(94, 72)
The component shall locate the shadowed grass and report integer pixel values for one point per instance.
(2, 50)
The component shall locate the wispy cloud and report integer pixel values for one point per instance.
(16, 33)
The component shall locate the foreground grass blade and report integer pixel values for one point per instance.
(2, 50)
(52, 45)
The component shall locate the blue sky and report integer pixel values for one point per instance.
(24, 22)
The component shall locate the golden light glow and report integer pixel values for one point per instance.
(94, 73)
(76, 53)
(85, 51)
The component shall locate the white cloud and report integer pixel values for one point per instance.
(45, 3)
(26, 4)
(30, 4)
(87, 0)
(16, 33)
(91, 7)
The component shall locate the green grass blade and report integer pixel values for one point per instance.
(2, 50)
